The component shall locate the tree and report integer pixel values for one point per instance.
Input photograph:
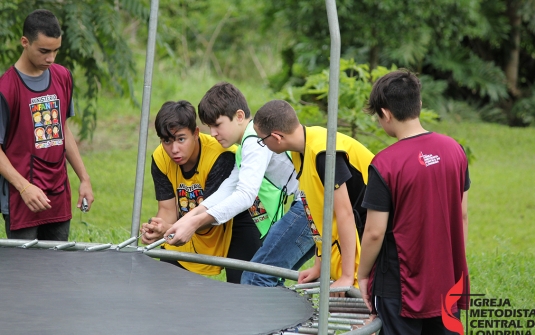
(92, 45)
(473, 46)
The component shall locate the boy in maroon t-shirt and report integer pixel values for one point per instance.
(413, 246)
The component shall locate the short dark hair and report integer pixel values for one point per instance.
(276, 115)
(174, 116)
(41, 21)
(223, 99)
(397, 91)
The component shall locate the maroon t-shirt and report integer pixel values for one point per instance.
(35, 143)
(423, 253)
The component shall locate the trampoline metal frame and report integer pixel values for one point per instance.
(309, 289)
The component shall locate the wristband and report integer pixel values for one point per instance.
(24, 189)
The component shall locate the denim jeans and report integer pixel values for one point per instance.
(288, 244)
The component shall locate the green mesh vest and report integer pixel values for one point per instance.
(268, 206)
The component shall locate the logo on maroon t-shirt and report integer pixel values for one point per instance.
(428, 159)
(46, 121)
(449, 320)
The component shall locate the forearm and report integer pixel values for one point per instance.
(347, 233)
(465, 217)
(372, 240)
(348, 243)
(10, 173)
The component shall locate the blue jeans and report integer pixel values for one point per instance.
(288, 245)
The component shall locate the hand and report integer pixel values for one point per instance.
(85, 191)
(363, 286)
(153, 230)
(309, 275)
(342, 282)
(35, 198)
(183, 230)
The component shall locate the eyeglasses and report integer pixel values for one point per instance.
(260, 141)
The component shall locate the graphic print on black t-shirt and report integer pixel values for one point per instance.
(313, 229)
(45, 112)
(189, 197)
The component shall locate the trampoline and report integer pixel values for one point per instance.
(46, 291)
(51, 287)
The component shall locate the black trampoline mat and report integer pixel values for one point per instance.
(109, 292)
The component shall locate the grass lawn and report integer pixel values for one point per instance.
(501, 246)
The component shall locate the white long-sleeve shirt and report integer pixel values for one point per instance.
(238, 192)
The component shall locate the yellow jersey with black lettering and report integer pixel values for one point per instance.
(189, 193)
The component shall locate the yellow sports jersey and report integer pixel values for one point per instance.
(310, 184)
(189, 193)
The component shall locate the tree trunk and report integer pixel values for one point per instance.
(374, 57)
(511, 67)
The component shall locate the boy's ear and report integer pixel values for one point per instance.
(24, 41)
(277, 137)
(240, 115)
(196, 132)
(387, 115)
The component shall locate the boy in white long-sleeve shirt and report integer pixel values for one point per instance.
(260, 182)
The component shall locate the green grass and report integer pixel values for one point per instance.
(501, 210)
(501, 199)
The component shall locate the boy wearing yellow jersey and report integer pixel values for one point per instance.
(187, 167)
(277, 123)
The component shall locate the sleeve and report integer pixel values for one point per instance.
(71, 109)
(255, 160)
(4, 112)
(162, 185)
(467, 180)
(341, 173)
(377, 195)
(219, 172)
(225, 189)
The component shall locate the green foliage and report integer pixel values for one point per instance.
(524, 109)
(220, 38)
(466, 45)
(471, 72)
(356, 81)
(93, 47)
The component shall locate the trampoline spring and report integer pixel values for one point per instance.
(307, 285)
(347, 304)
(309, 330)
(349, 310)
(156, 244)
(332, 289)
(341, 299)
(64, 246)
(351, 315)
(346, 321)
(29, 244)
(125, 243)
(333, 326)
(98, 247)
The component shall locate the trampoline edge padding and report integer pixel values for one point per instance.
(103, 292)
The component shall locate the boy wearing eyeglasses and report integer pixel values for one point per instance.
(277, 123)
(260, 181)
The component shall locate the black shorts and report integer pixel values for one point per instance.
(394, 324)
(55, 231)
